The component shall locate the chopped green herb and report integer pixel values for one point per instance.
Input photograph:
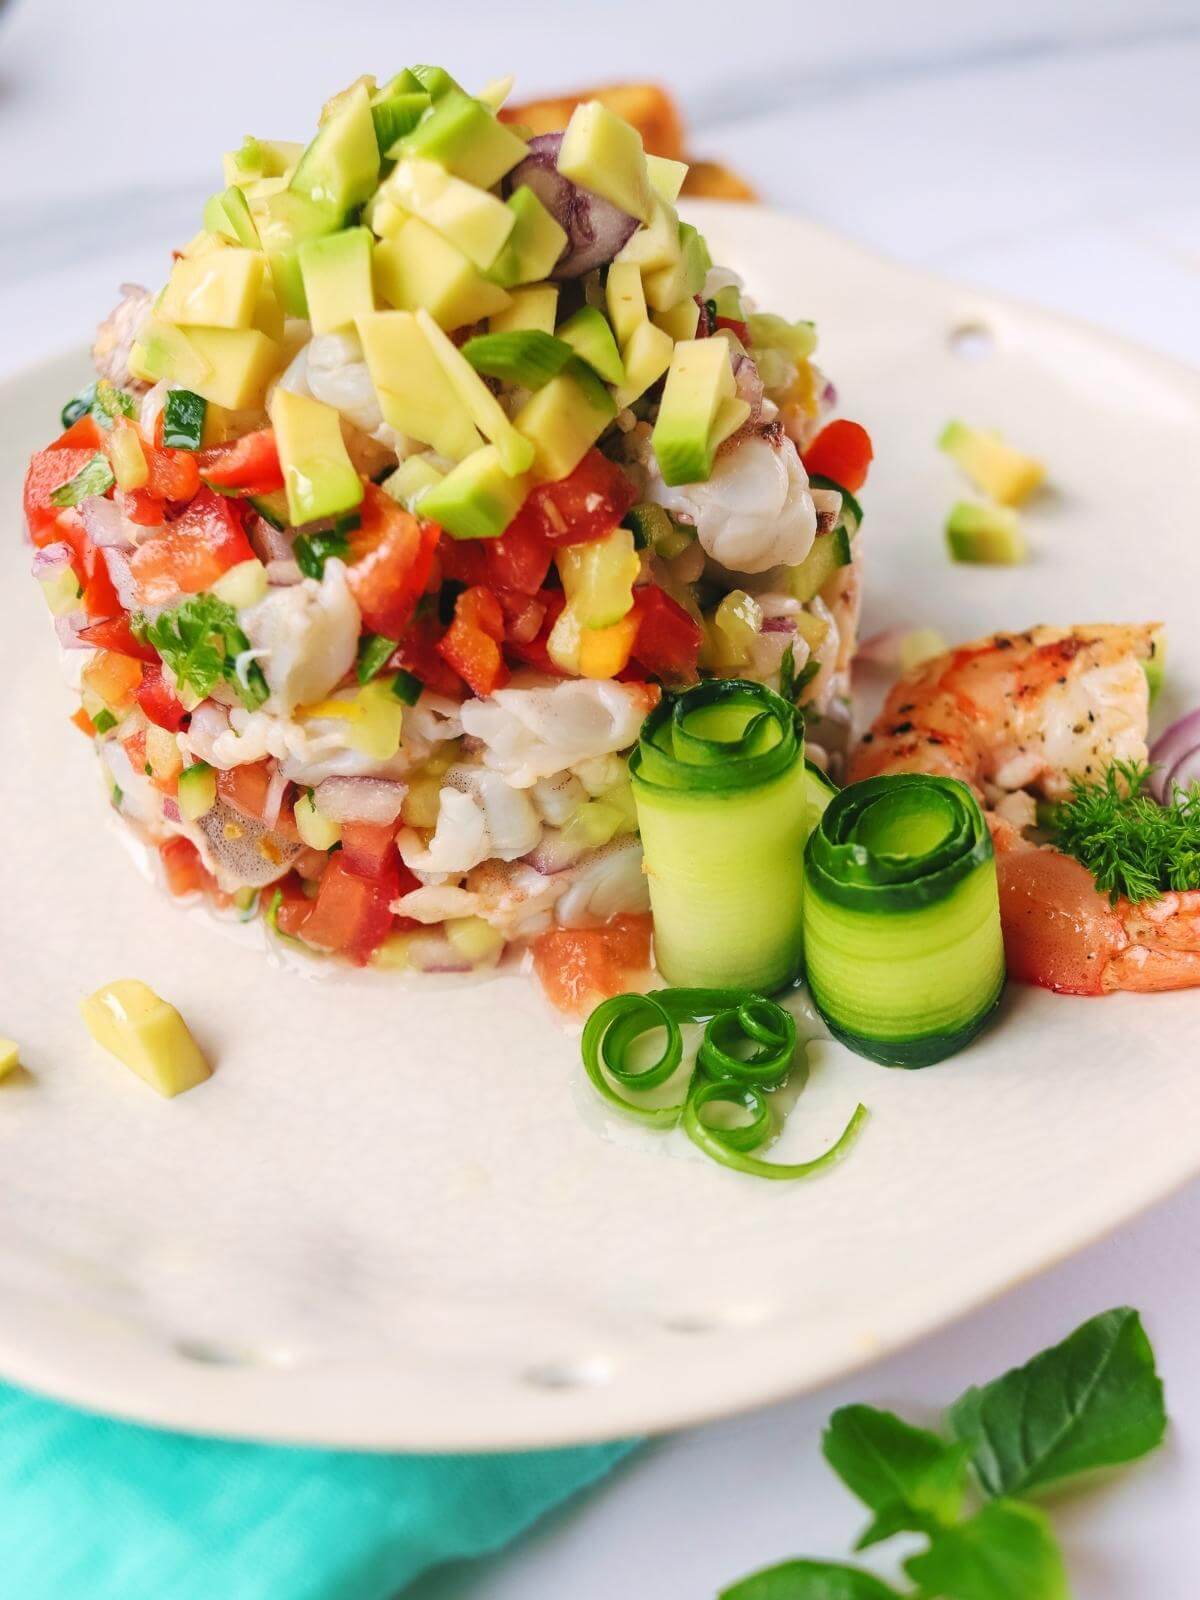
(201, 641)
(313, 550)
(94, 477)
(407, 686)
(138, 626)
(103, 721)
(110, 403)
(117, 795)
(911, 1479)
(787, 673)
(78, 406)
(1132, 846)
(183, 420)
(373, 652)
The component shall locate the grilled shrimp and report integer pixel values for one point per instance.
(1030, 711)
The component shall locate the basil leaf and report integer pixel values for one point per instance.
(809, 1580)
(183, 420)
(911, 1479)
(1006, 1552)
(109, 403)
(94, 477)
(1092, 1401)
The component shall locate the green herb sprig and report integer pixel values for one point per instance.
(200, 640)
(1132, 846)
(1093, 1401)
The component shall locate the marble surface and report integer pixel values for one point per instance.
(1048, 156)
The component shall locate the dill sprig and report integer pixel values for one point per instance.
(1131, 845)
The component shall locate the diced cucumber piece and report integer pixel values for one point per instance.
(183, 420)
(528, 358)
(589, 335)
(197, 791)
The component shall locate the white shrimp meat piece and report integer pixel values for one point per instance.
(532, 732)
(304, 637)
(480, 816)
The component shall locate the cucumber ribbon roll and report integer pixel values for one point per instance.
(720, 783)
(904, 954)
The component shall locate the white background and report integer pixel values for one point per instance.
(1050, 151)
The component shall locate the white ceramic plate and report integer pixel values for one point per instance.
(390, 1221)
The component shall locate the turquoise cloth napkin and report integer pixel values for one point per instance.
(107, 1510)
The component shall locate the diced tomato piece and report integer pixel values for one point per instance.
(462, 560)
(100, 597)
(668, 641)
(83, 722)
(533, 651)
(523, 616)
(250, 465)
(174, 474)
(115, 679)
(587, 504)
(841, 451)
(83, 434)
(192, 552)
(48, 471)
(115, 634)
(135, 748)
(579, 966)
(352, 913)
(140, 506)
(368, 845)
(739, 329)
(472, 642)
(245, 788)
(186, 872)
(294, 905)
(159, 701)
(519, 559)
(391, 557)
(418, 654)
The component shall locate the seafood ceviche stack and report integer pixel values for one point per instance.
(453, 560)
(440, 456)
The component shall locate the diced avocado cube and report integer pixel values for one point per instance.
(532, 309)
(436, 81)
(261, 158)
(591, 338)
(666, 177)
(383, 216)
(988, 534)
(647, 356)
(564, 420)
(484, 410)
(415, 395)
(992, 465)
(669, 285)
(464, 137)
(284, 222)
(10, 1056)
(268, 315)
(317, 831)
(197, 791)
(228, 214)
(533, 246)
(700, 377)
(656, 245)
(603, 153)
(411, 480)
(396, 113)
(146, 1034)
(163, 351)
(731, 414)
(418, 268)
(318, 474)
(527, 358)
(474, 221)
(478, 499)
(334, 104)
(336, 272)
(681, 321)
(625, 299)
(829, 552)
(340, 168)
(219, 290)
(242, 362)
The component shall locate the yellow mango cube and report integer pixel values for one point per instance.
(217, 290)
(10, 1056)
(146, 1034)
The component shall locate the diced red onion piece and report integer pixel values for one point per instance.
(68, 629)
(171, 810)
(749, 387)
(283, 574)
(273, 799)
(595, 228)
(778, 625)
(433, 952)
(105, 525)
(1176, 756)
(882, 649)
(122, 577)
(360, 799)
(269, 542)
(51, 559)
